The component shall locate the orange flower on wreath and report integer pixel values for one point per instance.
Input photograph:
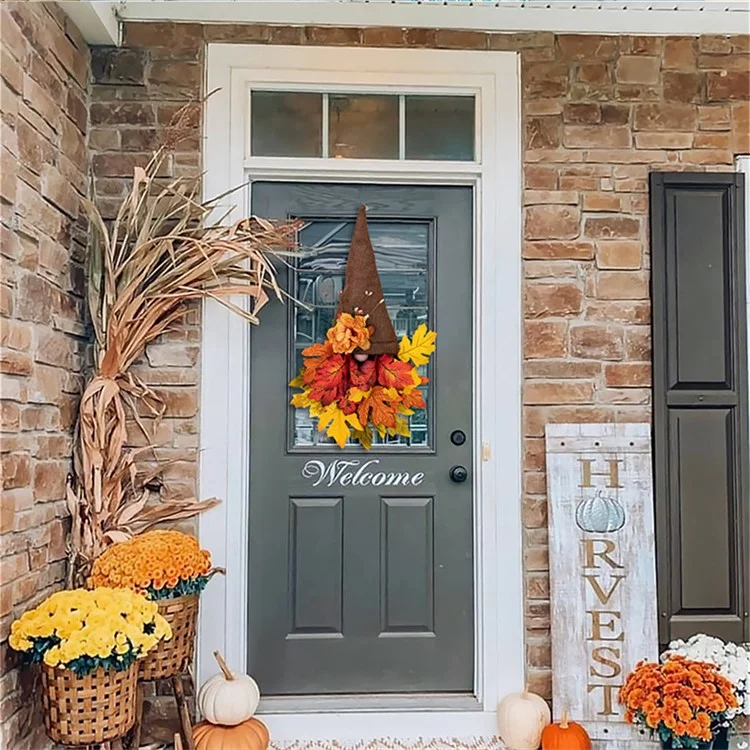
(348, 333)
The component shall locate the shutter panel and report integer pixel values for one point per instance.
(701, 451)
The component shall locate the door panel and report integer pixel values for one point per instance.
(361, 563)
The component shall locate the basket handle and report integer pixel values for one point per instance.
(211, 573)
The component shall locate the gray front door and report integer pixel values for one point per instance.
(366, 588)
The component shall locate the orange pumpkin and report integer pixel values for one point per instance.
(565, 735)
(249, 735)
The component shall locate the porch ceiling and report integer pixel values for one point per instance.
(98, 19)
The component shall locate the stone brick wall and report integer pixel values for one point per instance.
(44, 69)
(599, 113)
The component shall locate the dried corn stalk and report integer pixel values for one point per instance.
(161, 253)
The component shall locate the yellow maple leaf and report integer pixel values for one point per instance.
(419, 348)
(401, 428)
(302, 400)
(339, 423)
(355, 395)
(297, 382)
(364, 437)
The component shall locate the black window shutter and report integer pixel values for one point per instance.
(701, 451)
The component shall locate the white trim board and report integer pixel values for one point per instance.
(97, 21)
(496, 178)
(584, 16)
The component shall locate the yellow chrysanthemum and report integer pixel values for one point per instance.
(102, 623)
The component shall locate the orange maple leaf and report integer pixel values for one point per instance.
(379, 407)
(315, 356)
(393, 373)
(318, 351)
(413, 399)
(329, 383)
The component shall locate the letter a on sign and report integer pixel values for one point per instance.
(602, 569)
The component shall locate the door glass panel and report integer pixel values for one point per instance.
(286, 123)
(363, 126)
(440, 127)
(402, 252)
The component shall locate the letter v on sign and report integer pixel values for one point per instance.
(601, 595)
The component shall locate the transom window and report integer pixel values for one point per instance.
(362, 125)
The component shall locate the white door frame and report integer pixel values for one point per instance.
(225, 430)
(742, 164)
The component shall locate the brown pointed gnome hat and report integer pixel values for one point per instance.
(363, 292)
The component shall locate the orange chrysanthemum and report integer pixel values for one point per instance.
(151, 562)
(348, 333)
(680, 697)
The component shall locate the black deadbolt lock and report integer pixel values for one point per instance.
(458, 437)
(458, 474)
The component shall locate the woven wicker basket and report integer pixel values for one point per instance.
(85, 710)
(173, 657)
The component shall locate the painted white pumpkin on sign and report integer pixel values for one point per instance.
(228, 699)
(600, 514)
(521, 717)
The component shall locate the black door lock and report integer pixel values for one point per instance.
(458, 474)
(458, 437)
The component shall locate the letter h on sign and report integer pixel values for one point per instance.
(612, 475)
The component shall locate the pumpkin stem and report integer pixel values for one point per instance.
(223, 666)
(564, 718)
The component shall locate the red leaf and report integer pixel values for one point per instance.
(330, 380)
(393, 373)
(362, 375)
(348, 407)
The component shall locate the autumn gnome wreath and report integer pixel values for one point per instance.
(361, 378)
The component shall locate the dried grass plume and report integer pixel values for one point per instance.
(165, 249)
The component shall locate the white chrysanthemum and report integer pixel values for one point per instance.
(732, 661)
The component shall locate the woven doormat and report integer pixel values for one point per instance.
(387, 743)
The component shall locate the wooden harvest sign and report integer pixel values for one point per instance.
(602, 568)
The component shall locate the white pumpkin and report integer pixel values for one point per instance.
(521, 717)
(227, 698)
